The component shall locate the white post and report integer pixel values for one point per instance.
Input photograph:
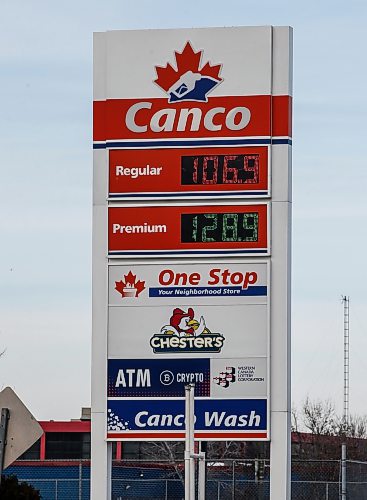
(280, 346)
(100, 449)
(189, 443)
(280, 428)
(100, 452)
(80, 481)
(344, 471)
(201, 478)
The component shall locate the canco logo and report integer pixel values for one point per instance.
(184, 333)
(189, 81)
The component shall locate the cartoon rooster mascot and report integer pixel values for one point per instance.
(184, 324)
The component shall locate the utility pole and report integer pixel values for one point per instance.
(345, 302)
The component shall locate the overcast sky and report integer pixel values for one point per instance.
(46, 187)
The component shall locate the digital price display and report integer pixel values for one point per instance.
(214, 227)
(187, 173)
(188, 230)
(220, 169)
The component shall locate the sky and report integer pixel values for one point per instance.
(46, 188)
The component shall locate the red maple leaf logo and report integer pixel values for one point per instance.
(187, 60)
(130, 287)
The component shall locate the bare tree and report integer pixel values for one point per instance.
(221, 450)
(171, 452)
(320, 417)
(325, 431)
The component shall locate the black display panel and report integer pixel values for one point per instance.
(219, 169)
(219, 227)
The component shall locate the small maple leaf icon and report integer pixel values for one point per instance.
(130, 287)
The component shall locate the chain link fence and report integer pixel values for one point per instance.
(225, 479)
(67, 480)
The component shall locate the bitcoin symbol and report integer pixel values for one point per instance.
(166, 377)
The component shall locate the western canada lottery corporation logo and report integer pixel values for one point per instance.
(190, 81)
(226, 377)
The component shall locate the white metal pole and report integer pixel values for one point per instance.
(100, 478)
(280, 339)
(100, 483)
(201, 478)
(344, 471)
(189, 443)
(192, 442)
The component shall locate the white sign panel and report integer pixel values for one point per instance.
(218, 310)
(171, 324)
(217, 283)
(218, 331)
(239, 378)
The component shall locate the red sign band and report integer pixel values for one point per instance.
(188, 230)
(239, 170)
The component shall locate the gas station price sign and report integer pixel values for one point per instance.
(149, 173)
(188, 230)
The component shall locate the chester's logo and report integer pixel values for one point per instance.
(190, 81)
(184, 333)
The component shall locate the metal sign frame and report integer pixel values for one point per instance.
(272, 98)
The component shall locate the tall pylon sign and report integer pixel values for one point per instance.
(191, 239)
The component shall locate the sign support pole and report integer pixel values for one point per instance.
(189, 443)
(100, 449)
(202, 476)
(280, 446)
(280, 283)
(5, 414)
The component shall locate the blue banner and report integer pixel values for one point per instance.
(169, 415)
(200, 291)
(157, 377)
